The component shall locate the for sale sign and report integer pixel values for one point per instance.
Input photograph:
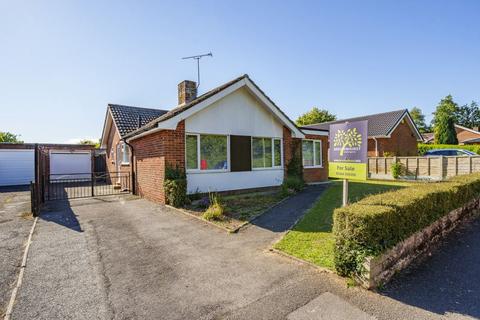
(348, 150)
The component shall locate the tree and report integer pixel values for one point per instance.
(444, 121)
(419, 119)
(9, 137)
(468, 115)
(315, 116)
(90, 142)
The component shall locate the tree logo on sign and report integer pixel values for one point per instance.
(347, 138)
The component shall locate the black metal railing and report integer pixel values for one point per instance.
(82, 185)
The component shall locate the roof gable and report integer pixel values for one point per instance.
(169, 120)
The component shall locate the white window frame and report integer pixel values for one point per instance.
(198, 170)
(273, 167)
(314, 154)
(124, 148)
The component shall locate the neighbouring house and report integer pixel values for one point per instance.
(464, 135)
(233, 137)
(392, 133)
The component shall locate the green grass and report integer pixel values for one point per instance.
(312, 238)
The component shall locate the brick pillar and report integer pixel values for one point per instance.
(287, 148)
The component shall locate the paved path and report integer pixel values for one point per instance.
(104, 259)
(14, 228)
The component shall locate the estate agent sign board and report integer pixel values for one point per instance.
(348, 150)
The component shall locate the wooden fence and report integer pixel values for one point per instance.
(430, 168)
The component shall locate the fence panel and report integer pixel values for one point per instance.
(431, 168)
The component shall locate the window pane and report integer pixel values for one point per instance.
(268, 152)
(126, 154)
(318, 154)
(277, 145)
(213, 152)
(257, 152)
(307, 150)
(192, 152)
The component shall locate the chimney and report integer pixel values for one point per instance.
(187, 91)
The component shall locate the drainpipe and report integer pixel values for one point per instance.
(132, 172)
(376, 146)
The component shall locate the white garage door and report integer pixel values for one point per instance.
(16, 167)
(70, 165)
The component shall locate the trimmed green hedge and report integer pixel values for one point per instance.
(378, 222)
(422, 148)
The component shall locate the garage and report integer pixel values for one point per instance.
(16, 167)
(70, 164)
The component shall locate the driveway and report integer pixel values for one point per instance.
(126, 258)
(15, 225)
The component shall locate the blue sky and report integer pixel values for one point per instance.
(61, 62)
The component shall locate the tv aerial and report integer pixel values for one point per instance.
(198, 57)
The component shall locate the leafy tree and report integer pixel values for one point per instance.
(315, 116)
(90, 142)
(10, 137)
(444, 121)
(419, 119)
(468, 115)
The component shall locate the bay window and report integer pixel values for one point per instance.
(312, 153)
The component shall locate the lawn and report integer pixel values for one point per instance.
(240, 208)
(312, 239)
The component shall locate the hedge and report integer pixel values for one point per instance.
(422, 148)
(378, 222)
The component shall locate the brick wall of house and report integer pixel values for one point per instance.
(463, 135)
(402, 142)
(318, 174)
(152, 153)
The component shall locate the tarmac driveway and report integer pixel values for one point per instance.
(15, 224)
(132, 259)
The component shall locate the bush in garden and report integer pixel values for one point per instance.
(216, 209)
(379, 222)
(175, 186)
(396, 170)
(292, 184)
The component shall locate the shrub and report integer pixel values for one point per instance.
(378, 222)
(388, 154)
(175, 186)
(216, 209)
(292, 183)
(422, 148)
(396, 170)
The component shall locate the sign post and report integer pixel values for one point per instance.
(348, 153)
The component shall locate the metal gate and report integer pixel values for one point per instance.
(81, 185)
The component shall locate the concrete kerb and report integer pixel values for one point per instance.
(21, 273)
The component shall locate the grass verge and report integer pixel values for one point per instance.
(312, 238)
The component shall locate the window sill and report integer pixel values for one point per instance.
(207, 171)
(313, 167)
(267, 169)
(125, 163)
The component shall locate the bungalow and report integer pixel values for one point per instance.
(464, 135)
(391, 132)
(233, 137)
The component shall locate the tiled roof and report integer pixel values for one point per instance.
(379, 124)
(128, 118)
(428, 136)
